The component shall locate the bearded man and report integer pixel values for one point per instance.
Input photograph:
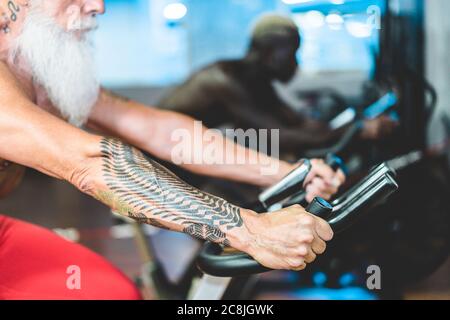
(48, 92)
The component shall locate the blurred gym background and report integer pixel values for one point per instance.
(161, 42)
(146, 47)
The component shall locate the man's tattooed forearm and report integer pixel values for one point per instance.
(206, 232)
(149, 193)
(156, 223)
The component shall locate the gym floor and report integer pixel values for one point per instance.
(55, 204)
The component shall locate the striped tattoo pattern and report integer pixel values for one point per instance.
(149, 193)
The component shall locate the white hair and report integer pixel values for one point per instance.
(61, 62)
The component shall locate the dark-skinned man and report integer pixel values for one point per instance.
(239, 93)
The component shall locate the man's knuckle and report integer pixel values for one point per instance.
(302, 251)
(307, 238)
(307, 220)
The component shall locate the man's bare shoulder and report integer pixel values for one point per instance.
(10, 86)
(218, 74)
(208, 84)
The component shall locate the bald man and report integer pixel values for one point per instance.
(49, 92)
(239, 93)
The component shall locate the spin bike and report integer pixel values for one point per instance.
(219, 267)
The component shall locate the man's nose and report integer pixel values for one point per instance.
(94, 7)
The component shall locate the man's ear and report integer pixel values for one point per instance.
(273, 59)
(266, 56)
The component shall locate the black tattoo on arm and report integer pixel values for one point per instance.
(205, 232)
(156, 223)
(149, 193)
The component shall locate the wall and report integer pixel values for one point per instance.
(438, 65)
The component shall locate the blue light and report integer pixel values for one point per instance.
(347, 279)
(352, 293)
(382, 105)
(319, 279)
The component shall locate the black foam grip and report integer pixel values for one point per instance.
(320, 208)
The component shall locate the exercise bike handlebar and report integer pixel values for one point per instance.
(287, 186)
(345, 140)
(371, 191)
(295, 180)
(334, 162)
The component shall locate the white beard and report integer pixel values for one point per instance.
(61, 63)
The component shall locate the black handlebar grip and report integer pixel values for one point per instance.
(287, 186)
(331, 160)
(320, 208)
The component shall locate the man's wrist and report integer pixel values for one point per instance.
(243, 238)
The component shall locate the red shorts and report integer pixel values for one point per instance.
(35, 264)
